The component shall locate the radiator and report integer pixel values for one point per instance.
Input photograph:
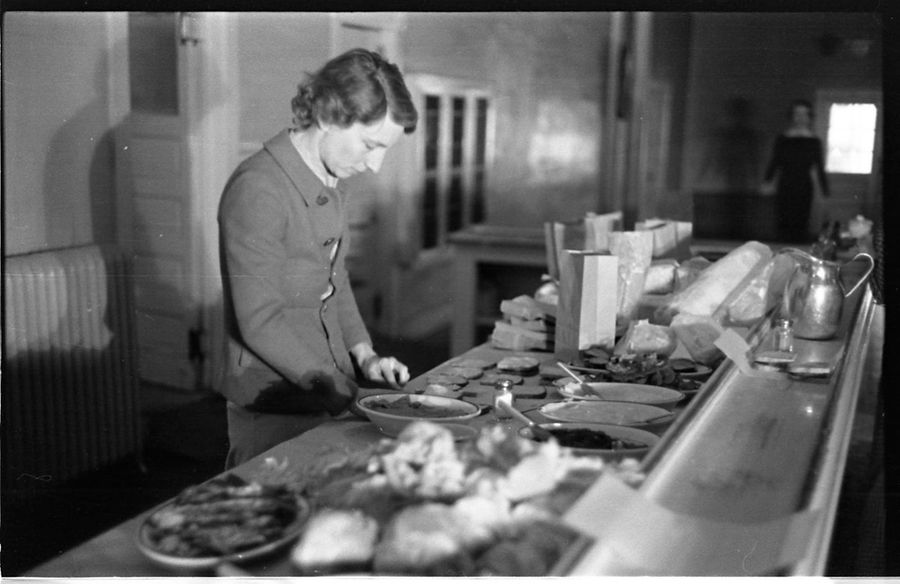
(69, 388)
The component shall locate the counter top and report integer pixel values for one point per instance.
(756, 460)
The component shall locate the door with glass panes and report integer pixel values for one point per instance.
(447, 164)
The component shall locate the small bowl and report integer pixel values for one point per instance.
(648, 439)
(434, 408)
(643, 416)
(625, 392)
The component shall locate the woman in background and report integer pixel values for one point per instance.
(797, 163)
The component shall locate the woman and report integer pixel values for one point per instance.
(296, 338)
(796, 164)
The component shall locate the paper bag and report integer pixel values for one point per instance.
(559, 236)
(586, 314)
(597, 229)
(671, 239)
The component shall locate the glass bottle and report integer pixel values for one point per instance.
(503, 395)
(784, 335)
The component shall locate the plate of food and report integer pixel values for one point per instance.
(606, 440)
(226, 519)
(625, 392)
(651, 418)
(521, 365)
(391, 412)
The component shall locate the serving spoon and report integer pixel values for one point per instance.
(585, 387)
(536, 431)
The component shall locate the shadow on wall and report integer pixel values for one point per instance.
(84, 141)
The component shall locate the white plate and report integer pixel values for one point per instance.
(626, 392)
(392, 423)
(608, 412)
(181, 563)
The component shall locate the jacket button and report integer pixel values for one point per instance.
(328, 242)
(322, 200)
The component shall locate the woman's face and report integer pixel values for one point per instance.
(349, 151)
(801, 116)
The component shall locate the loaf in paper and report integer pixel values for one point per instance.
(715, 284)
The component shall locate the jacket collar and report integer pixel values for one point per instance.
(287, 157)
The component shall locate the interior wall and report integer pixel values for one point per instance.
(275, 51)
(545, 70)
(58, 171)
(745, 70)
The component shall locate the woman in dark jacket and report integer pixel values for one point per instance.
(295, 335)
(797, 161)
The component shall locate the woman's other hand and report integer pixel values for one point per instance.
(386, 370)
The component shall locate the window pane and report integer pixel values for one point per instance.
(481, 130)
(851, 138)
(478, 198)
(432, 125)
(429, 214)
(153, 62)
(455, 205)
(459, 114)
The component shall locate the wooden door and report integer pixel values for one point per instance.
(175, 152)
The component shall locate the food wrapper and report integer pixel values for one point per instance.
(642, 338)
(764, 292)
(634, 250)
(661, 277)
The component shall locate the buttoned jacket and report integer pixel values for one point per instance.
(288, 348)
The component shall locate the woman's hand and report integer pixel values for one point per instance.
(385, 369)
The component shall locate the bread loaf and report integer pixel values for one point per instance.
(715, 284)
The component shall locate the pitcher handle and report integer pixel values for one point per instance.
(865, 276)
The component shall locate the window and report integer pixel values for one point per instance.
(455, 156)
(851, 138)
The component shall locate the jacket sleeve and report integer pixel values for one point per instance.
(352, 325)
(252, 221)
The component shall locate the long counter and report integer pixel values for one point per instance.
(746, 481)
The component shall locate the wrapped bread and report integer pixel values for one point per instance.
(660, 277)
(763, 292)
(642, 338)
(716, 283)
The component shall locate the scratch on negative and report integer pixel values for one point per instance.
(746, 558)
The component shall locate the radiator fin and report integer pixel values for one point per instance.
(70, 392)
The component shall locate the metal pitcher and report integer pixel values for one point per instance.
(814, 294)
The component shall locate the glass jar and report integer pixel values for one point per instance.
(503, 396)
(783, 335)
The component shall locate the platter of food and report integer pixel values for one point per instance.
(608, 412)
(424, 505)
(606, 440)
(626, 392)
(391, 412)
(222, 520)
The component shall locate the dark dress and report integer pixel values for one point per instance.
(792, 160)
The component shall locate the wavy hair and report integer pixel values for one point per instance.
(357, 86)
